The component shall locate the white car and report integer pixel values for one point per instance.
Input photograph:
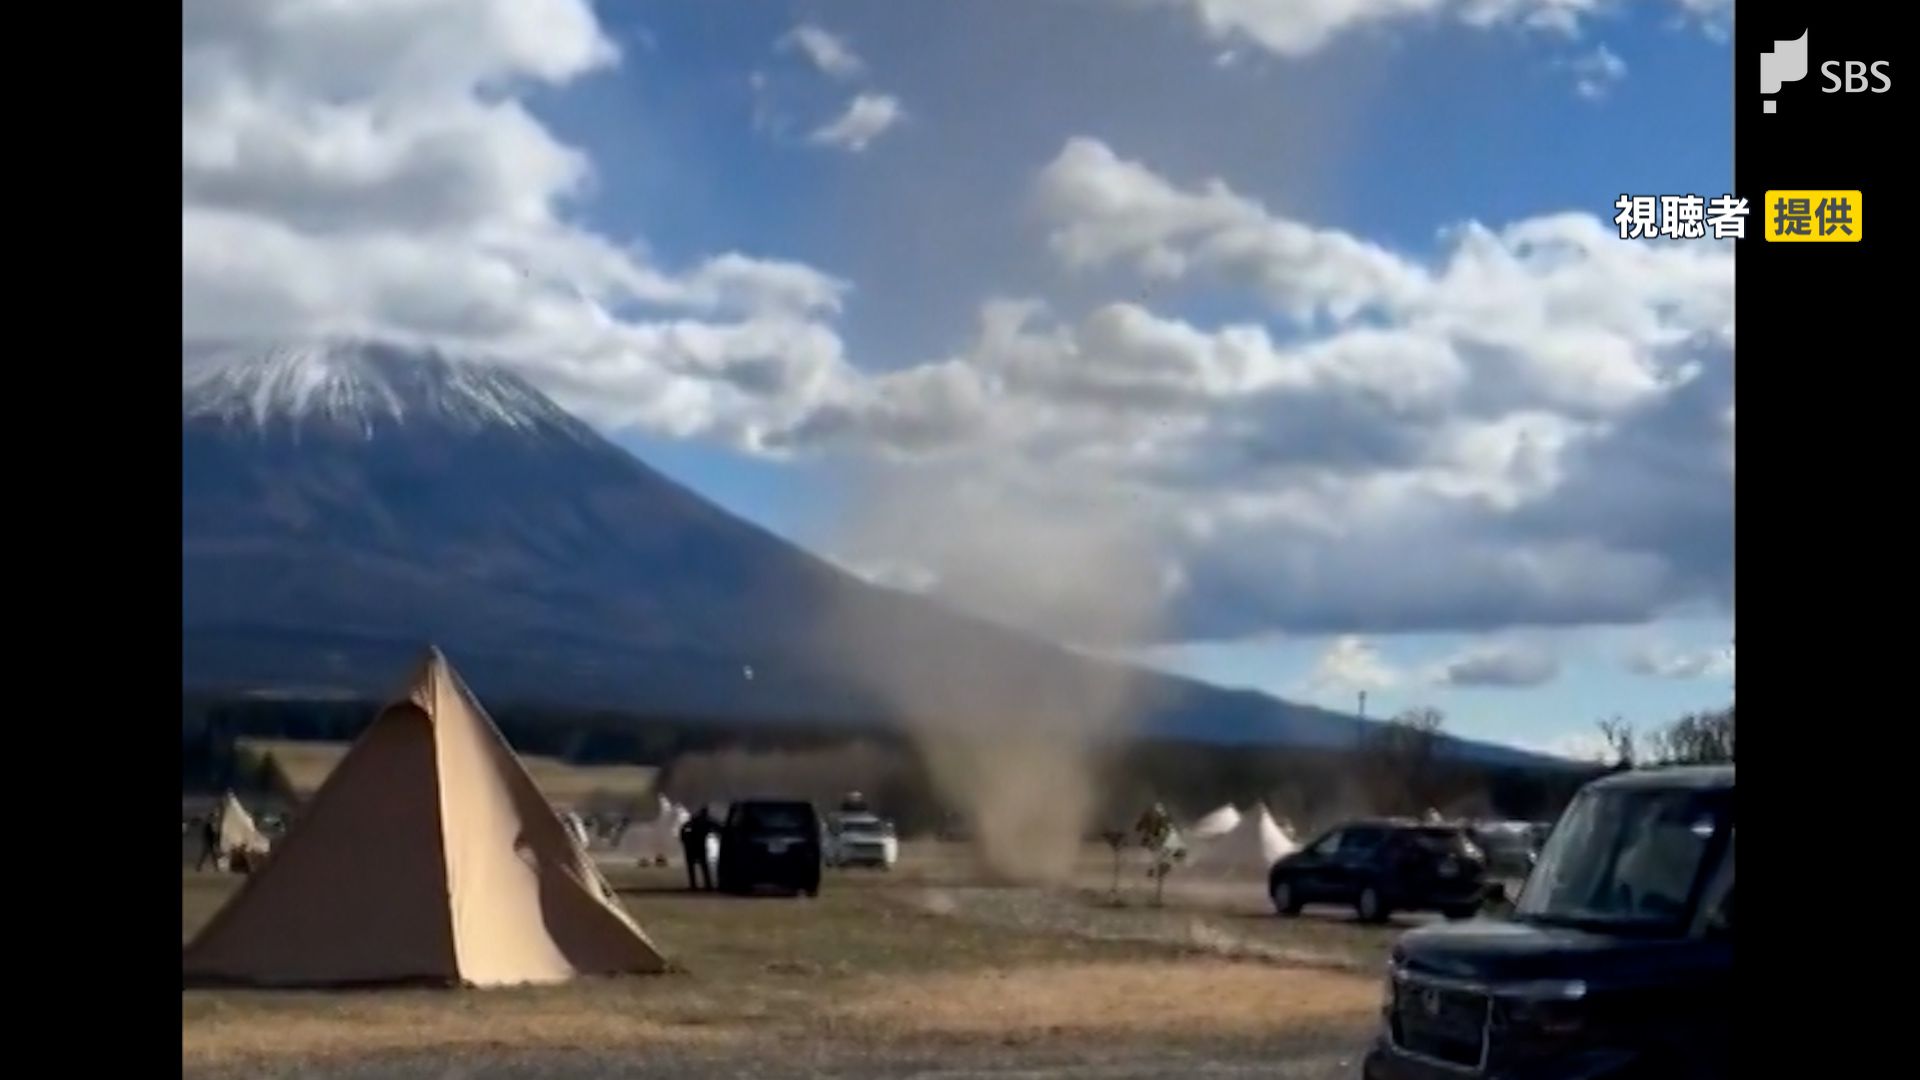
(860, 839)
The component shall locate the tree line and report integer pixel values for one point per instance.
(1700, 738)
(1399, 770)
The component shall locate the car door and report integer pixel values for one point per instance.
(1353, 866)
(1703, 1021)
(1308, 871)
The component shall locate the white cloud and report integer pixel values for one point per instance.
(1596, 73)
(1713, 17)
(1660, 661)
(1349, 665)
(1106, 210)
(371, 170)
(825, 50)
(1589, 746)
(1498, 664)
(867, 117)
(1484, 438)
(1294, 28)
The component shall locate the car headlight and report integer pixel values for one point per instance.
(1551, 1007)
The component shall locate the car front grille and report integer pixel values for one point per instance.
(1441, 1023)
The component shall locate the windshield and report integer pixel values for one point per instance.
(865, 823)
(1626, 858)
(1440, 841)
(776, 818)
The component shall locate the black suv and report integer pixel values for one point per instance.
(770, 844)
(1380, 867)
(1616, 963)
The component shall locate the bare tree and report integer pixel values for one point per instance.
(1622, 741)
(1704, 738)
(1403, 761)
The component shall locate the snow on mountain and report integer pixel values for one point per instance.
(356, 388)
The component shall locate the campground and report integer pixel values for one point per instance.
(923, 970)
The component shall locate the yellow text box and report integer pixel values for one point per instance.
(1813, 217)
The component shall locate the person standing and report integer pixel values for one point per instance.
(209, 843)
(693, 847)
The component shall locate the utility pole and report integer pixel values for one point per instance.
(1363, 704)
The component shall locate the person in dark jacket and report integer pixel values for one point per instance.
(693, 846)
(209, 843)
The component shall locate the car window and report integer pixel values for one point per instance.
(1327, 844)
(776, 817)
(1433, 841)
(1362, 840)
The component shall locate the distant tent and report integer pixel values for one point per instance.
(1218, 823)
(427, 856)
(1254, 844)
(655, 841)
(241, 841)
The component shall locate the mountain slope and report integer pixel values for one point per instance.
(343, 503)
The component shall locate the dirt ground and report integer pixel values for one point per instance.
(922, 971)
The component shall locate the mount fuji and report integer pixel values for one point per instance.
(343, 502)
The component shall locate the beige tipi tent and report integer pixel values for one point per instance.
(241, 841)
(427, 856)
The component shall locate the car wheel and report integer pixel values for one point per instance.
(1284, 901)
(1370, 906)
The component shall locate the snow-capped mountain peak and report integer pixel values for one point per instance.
(358, 387)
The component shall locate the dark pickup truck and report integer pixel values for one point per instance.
(1616, 963)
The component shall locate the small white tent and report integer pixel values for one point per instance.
(655, 841)
(241, 841)
(1218, 823)
(1253, 845)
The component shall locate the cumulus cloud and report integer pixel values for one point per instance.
(867, 117)
(825, 50)
(372, 170)
(1509, 665)
(1659, 661)
(1293, 29)
(1106, 210)
(1528, 428)
(1349, 665)
(1588, 746)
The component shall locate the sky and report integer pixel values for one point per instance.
(1288, 345)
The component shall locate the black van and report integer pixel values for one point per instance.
(768, 844)
(1616, 963)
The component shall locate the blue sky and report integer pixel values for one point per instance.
(761, 244)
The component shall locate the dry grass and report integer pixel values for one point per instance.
(1143, 997)
(313, 1027)
(867, 968)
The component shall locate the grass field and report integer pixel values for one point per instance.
(880, 970)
